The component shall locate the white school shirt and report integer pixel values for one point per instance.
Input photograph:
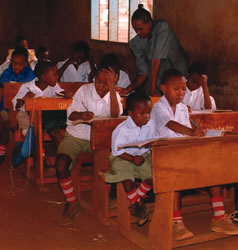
(128, 132)
(71, 74)
(123, 81)
(195, 99)
(31, 86)
(162, 114)
(87, 96)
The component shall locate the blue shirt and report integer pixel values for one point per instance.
(164, 46)
(9, 75)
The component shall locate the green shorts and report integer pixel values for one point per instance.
(121, 170)
(73, 146)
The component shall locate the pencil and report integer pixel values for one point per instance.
(194, 123)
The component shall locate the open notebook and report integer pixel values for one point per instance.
(140, 144)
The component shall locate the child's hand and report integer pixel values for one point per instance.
(189, 109)
(198, 132)
(122, 91)
(87, 115)
(138, 160)
(111, 77)
(203, 81)
(29, 95)
(20, 103)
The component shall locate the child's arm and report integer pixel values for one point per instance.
(207, 100)
(138, 160)
(111, 82)
(87, 115)
(62, 69)
(179, 128)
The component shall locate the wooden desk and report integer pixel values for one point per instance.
(178, 165)
(38, 105)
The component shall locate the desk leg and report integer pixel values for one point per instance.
(100, 192)
(160, 232)
(39, 149)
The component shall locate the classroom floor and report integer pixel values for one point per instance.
(30, 219)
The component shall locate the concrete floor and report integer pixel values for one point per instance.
(31, 220)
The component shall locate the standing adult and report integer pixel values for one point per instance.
(156, 49)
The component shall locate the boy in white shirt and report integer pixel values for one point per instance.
(47, 86)
(129, 163)
(172, 120)
(197, 95)
(79, 67)
(99, 99)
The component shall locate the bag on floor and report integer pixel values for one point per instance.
(24, 149)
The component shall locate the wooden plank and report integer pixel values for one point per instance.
(47, 103)
(160, 231)
(101, 132)
(196, 165)
(113, 20)
(226, 121)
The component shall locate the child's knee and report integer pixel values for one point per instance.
(62, 163)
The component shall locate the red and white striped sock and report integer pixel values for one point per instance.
(177, 216)
(143, 189)
(2, 150)
(133, 196)
(218, 207)
(68, 190)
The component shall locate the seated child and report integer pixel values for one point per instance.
(123, 81)
(21, 41)
(47, 86)
(79, 67)
(18, 71)
(172, 120)
(42, 54)
(130, 163)
(99, 99)
(197, 95)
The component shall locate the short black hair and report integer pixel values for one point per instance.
(109, 60)
(40, 50)
(19, 39)
(142, 14)
(197, 67)
(169, 73)
(43, 67)
(135, 97)
(20, 51)
(82, 46)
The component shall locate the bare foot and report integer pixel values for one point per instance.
(101, 174)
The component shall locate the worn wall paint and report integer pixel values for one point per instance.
(208, 32)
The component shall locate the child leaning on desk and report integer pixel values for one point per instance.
(99, 99)
(129, 163)
(46, 86)
(172, 120)
(197, 95)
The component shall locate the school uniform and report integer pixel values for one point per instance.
(162, 114)
(47, 116)
(195, 99)
(71, 74)
(123, 81)
(163, 45)
(128, 132)
(8, 75)
(78, 135)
